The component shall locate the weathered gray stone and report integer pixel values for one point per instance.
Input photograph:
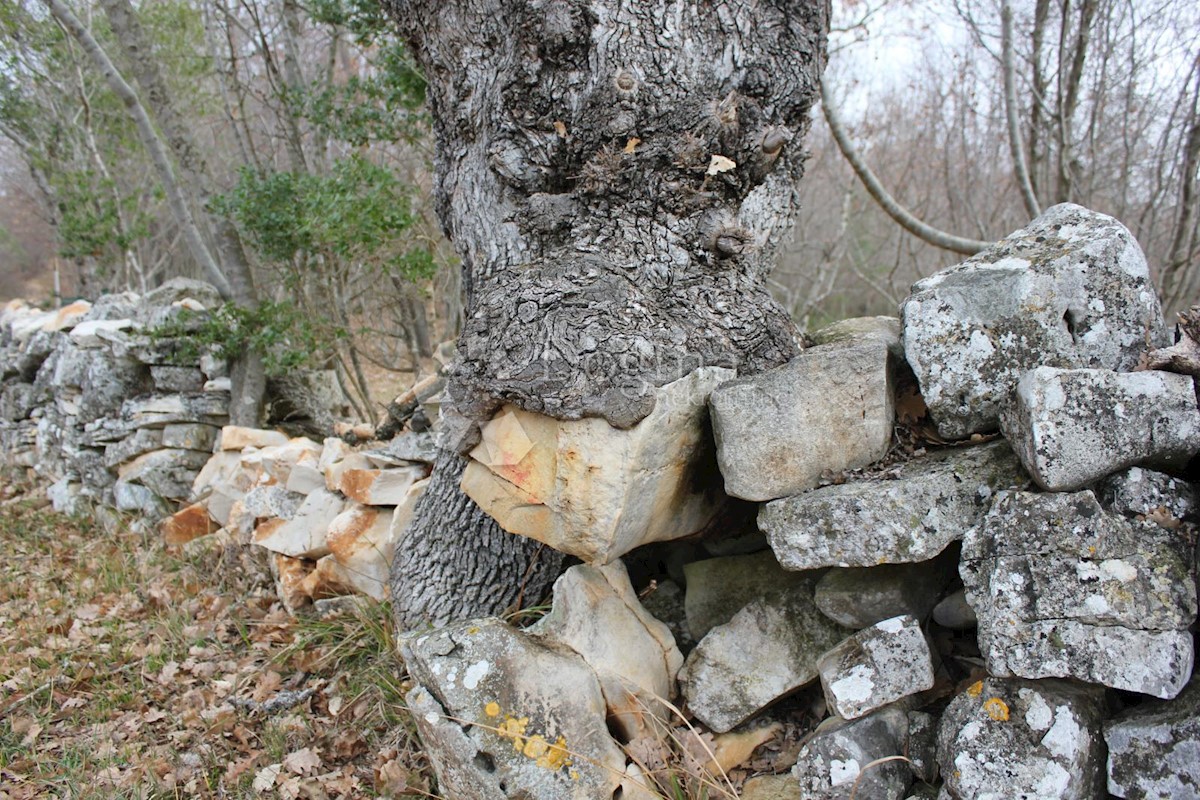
(1022, 740)
(875, 667)
(766, 651)
(922, 745)
(857, 597)
(502, 715)
(157, 411)
(189, 436)
(1072, 427)
(177, 290)
(139, 499)
(1071, 289)
(1064, 589)
(90, 333)
(1143, 492)
(910, 516)
(1154, 749)
(834, 762)
(597, 614)
(107, 383)
(421, 447)
(177, 379)
(718, 588)
(885, 330)
(272, 500)
(167, 473)
(140, 441)
(955, 613)
(827, 410)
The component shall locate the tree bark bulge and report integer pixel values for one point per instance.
(616, 177)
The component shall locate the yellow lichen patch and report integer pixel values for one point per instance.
(534, 747)
(556, 757)
(492, 709)
(975, 689)
(514, 729)
(996, 708)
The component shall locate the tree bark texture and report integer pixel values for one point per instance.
(579, 174)
(616, 177)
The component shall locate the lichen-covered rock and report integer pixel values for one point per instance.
(876, 666)
(910, 516)
(858, 597)
(1064, 589)
(767, 650)
(1024, 740)
(1071, 289)
(885, 330)
(718, 588)
(595, 491)
(1138, 492)
(838, 761)
(596, 613)
(1154, 749)
(827, 410)
(502, 715)
(167, 473)
(1071, 427)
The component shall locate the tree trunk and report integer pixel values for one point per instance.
(616, 178)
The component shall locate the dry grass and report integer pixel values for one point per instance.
(127, 671)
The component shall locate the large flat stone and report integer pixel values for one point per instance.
(910, 516)
(1064, 589)
(1071, 427)
(827, 410)
(594, 491)
(1071, 289)
(876, 666)
(766, 651)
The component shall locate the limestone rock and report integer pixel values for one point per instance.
(272, 500)
(717, 588)
(90, 334)
(157, 411)
(1071, 289)
(1142, 492)
(379, 487)
(767, 650)
(1072, 427)
(177, 379)
(1022, 739)
(167, 473)
(362, 544)
(827, 410)
(885, 330)
(278, 461)
(187, 524)
(140, 441)
(594, 491)
(858, 597)
(876, 666)
(925, 505)
(1064, 589)
(1154, 749)
(502, 715)
(188, 436)
(597, 614)
(833, 763)
(234, 437)
(305, 534)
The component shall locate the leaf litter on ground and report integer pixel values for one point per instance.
(129, 671)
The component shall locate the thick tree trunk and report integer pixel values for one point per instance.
(616, 177)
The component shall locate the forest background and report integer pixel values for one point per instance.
(301, 126)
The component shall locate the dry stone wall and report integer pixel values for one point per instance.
(962, 541)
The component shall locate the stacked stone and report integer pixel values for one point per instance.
(1054, 525)
(94, 405)
(329, 515)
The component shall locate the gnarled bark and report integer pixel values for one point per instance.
(616, 177)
